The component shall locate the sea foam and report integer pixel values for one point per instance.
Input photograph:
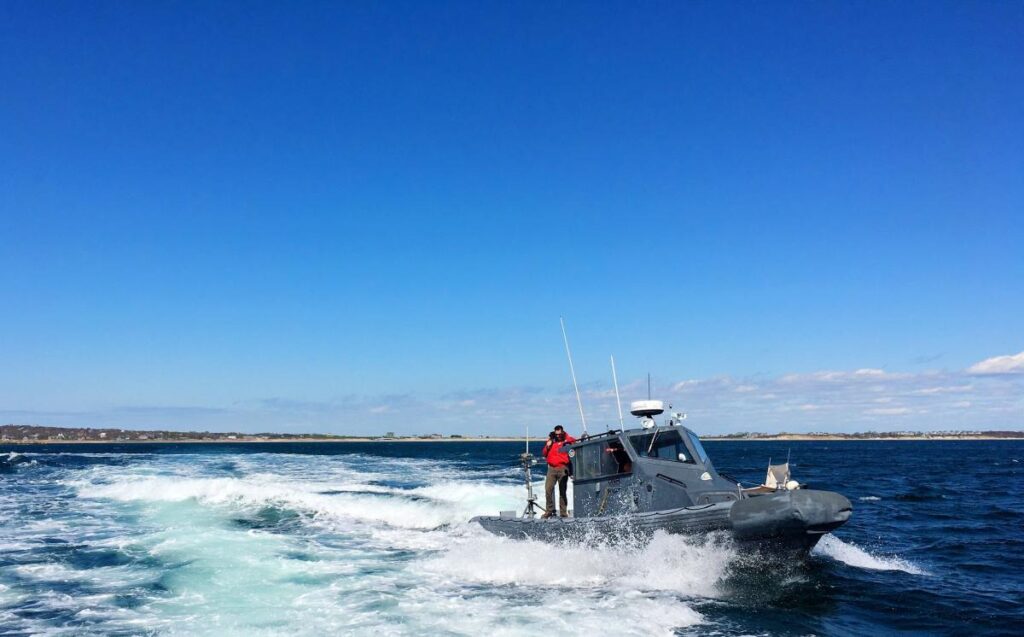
(853, 555)
(364, 545)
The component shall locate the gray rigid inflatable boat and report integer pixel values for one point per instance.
(652, 478)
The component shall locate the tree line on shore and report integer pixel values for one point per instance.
(33, 433)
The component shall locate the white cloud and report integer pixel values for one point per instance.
(684, 385)
(1009, 364)
(874, 373)
(831, 400)
(889, 411)
(954, 389)
(833, 376)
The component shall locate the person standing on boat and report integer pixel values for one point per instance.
(558, 471)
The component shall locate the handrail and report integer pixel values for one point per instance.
(672, 480)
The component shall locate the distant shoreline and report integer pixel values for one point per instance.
(224, 441)
(799, 438)
(787, 438)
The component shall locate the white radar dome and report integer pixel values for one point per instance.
(646, 407)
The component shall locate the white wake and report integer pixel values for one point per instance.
(853, 555)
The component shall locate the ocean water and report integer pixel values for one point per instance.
(372, 539)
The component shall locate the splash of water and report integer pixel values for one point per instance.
(853, 555)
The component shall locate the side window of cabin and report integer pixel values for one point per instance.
(597, 460)
(663, 445)
(587, 462)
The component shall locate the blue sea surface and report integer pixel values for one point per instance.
(353, 538)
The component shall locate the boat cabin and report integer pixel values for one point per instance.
(650, 468)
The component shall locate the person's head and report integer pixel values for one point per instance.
(560, 432)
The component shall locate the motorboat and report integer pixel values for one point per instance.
(658, 476)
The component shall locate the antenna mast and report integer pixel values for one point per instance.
(572, 370)
(527, 461)
(618, 401)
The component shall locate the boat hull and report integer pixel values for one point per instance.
(780, 522)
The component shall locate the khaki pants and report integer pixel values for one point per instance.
(558, 475)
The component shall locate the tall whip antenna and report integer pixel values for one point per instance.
(618, 401)
(572, 370)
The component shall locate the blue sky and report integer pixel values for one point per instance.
(356, 217)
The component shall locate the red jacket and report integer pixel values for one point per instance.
(555, 454)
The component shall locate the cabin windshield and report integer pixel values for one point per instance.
(600, 460)
(663, 445)
(699, 448)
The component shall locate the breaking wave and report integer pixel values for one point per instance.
(853, 555)
(666, 563)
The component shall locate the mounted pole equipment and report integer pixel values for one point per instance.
(618, 401)
(572, 371)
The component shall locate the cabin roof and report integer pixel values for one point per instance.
(615, 433)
